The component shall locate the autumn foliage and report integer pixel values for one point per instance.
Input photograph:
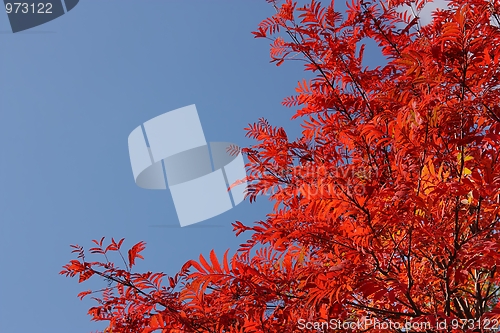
(387, 207)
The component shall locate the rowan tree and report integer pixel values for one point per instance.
(386, 208)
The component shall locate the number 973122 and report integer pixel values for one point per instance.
(25, 8)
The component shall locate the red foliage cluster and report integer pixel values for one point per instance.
(387, 208)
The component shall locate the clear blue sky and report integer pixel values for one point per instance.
(71, 91)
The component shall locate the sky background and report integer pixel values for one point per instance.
(71, 91)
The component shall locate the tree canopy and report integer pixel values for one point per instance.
(386, 208)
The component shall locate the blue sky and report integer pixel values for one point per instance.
(71, 91)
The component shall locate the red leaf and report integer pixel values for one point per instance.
(133, 253)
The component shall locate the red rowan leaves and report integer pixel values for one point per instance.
(388, 205)
(133, 253)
